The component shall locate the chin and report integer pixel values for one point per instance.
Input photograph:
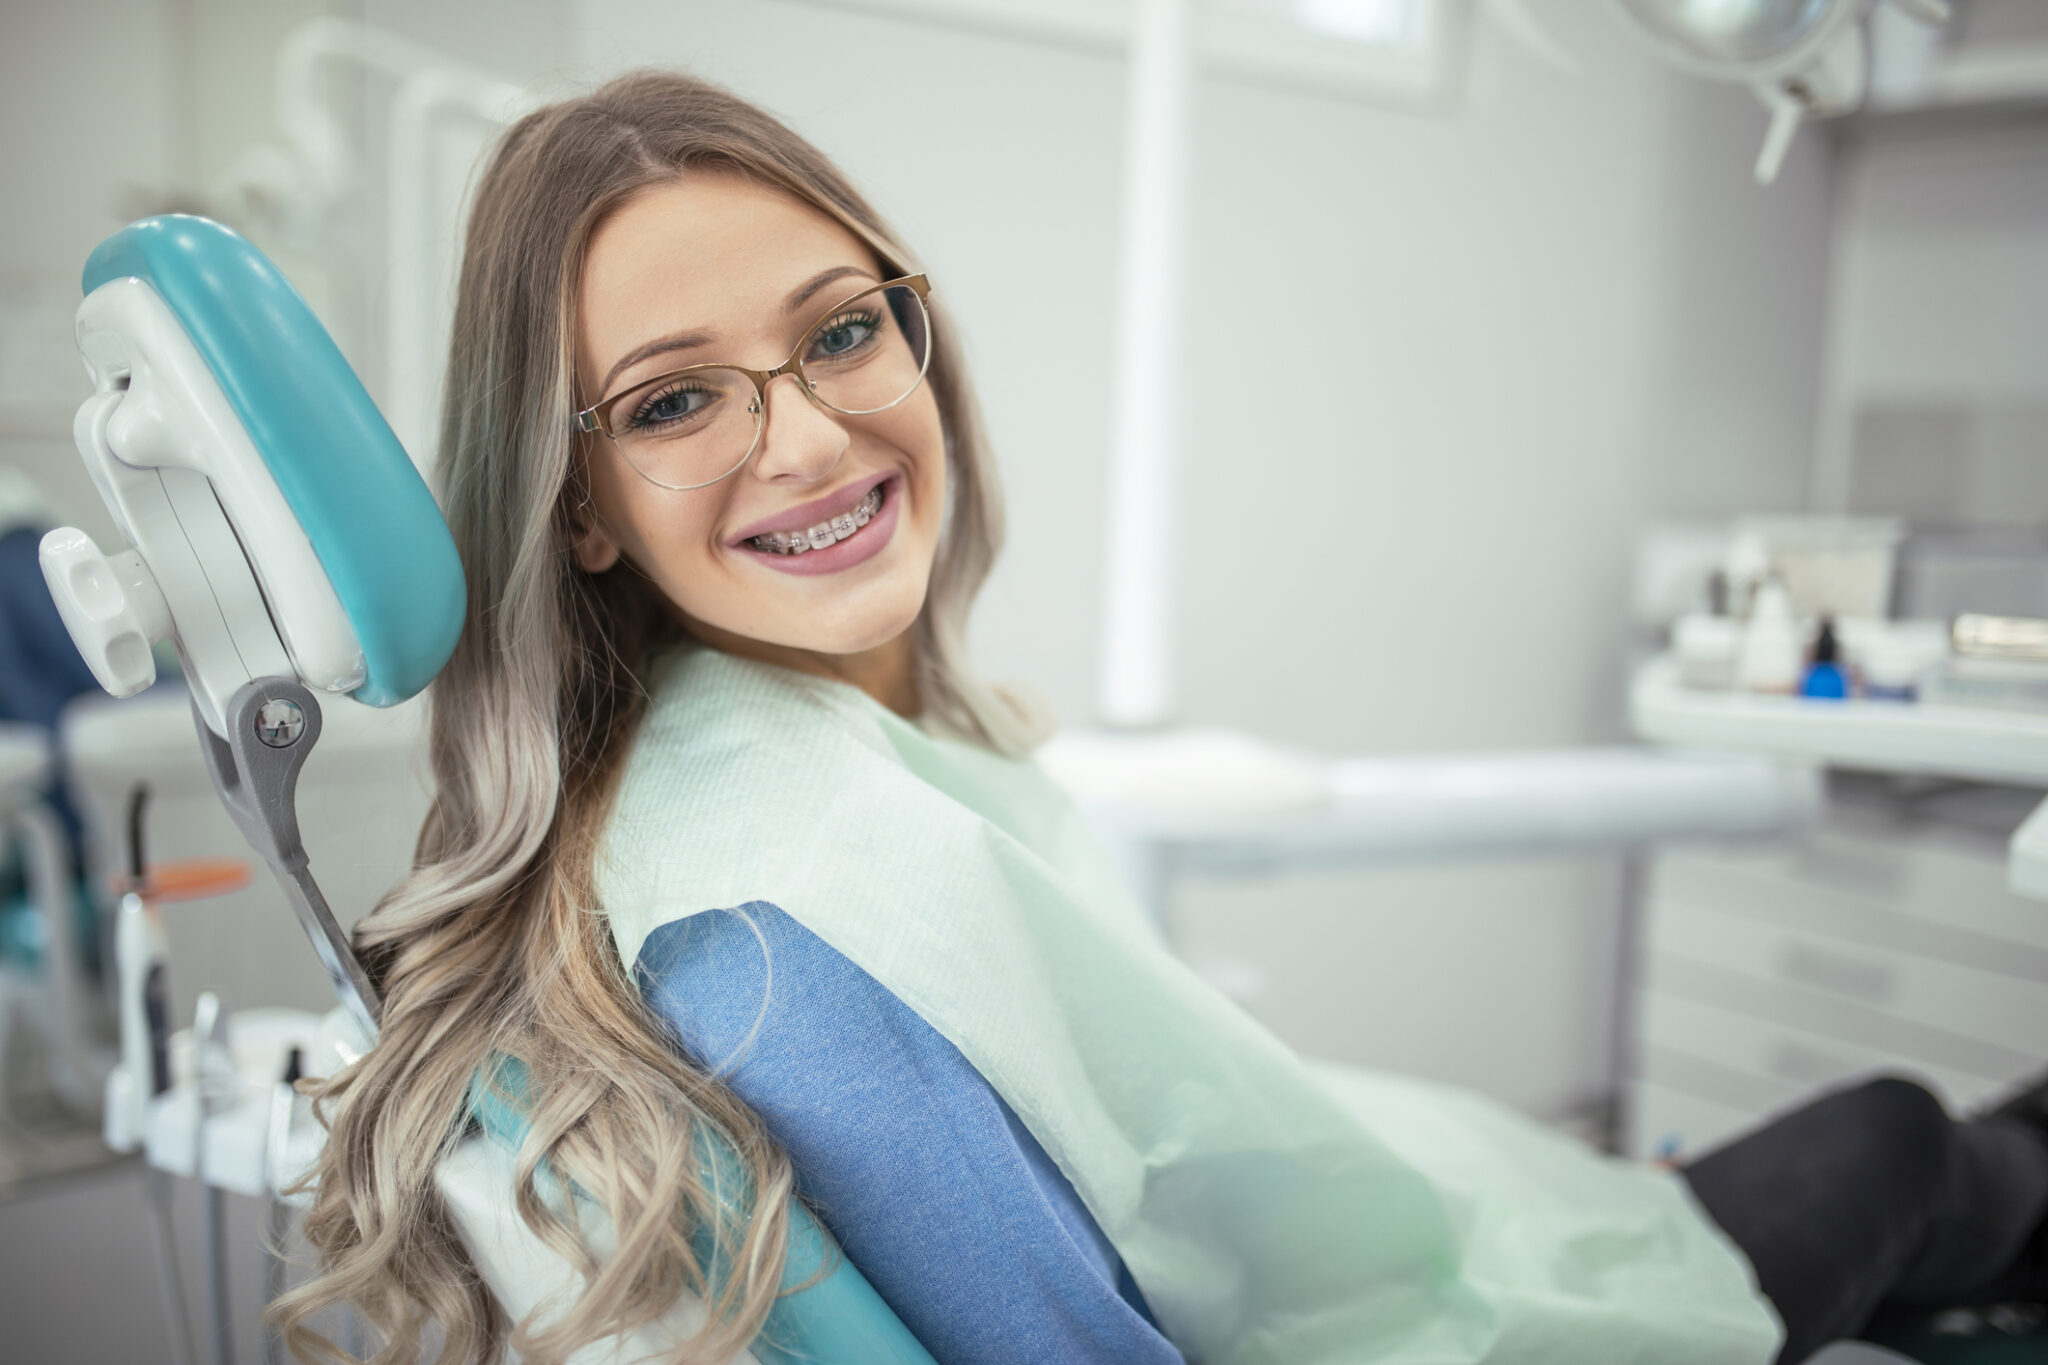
(840, 629)
(868, 631)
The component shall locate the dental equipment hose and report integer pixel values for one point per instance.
(157, 1185)
(142, 973)
(278, 1227)
(211, 1073)
(145, 958)
(213, 1246)
(278, 1224)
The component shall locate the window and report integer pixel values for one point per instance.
(1381, 51)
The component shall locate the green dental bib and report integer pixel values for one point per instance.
(1273, 1212)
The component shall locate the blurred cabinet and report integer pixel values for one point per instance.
(1882, 940)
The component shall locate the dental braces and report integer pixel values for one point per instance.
(825, 532)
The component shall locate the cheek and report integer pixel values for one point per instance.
(680, 537)
(924, 439)
(667, 534)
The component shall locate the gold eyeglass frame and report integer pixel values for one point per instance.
(598, 416)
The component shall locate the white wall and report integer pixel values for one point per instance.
(1532, 326)
(78, 154)
(1938, 325)
(1445, 365)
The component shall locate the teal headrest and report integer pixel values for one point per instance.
(372, 523)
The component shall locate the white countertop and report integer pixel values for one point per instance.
(1977, 743)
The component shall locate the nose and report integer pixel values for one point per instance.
(800, 443)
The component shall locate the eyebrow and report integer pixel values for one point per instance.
(683, 341)
(803, 292)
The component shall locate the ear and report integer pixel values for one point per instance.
(593, 546)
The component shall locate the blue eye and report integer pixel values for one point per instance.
(671, 405)
(843, 335)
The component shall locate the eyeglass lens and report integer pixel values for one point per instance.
(690, 429)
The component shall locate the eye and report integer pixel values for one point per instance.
(844, 334)
(676, 403)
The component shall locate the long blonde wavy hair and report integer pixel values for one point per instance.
(493, 946)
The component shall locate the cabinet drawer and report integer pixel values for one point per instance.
(1822, 1016)
(1809, 1062)
(1927, 885)
(2008, 1012)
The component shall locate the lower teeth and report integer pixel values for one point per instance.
(825, 532)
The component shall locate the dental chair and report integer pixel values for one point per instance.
(282, 541)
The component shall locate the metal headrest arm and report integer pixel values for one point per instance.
(272, 725)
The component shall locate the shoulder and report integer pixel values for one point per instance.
(724, 735)
(931, 1184)
(753, 783)
(819, 1048)
(747, 984)
(733, 765)
(709, 712)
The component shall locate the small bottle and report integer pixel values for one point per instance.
(1706, 648)
(1745, 571)
(1773, 647)
(1824, 676)
(1897, 658)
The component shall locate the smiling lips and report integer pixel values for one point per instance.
(827, 532)
(837, 542)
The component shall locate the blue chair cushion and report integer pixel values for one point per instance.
(364, 507)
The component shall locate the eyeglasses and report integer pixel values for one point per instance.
(691, 427)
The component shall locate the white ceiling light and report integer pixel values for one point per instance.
(1391, 22)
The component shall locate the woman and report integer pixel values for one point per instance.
(730, 851)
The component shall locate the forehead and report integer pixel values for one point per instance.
(707, 252)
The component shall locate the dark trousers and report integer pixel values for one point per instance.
(1873, 1200)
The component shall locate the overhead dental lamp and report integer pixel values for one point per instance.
(1803, 58)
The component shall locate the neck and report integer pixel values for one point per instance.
(887, 672)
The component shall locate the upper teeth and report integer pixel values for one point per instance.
(825, 532)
